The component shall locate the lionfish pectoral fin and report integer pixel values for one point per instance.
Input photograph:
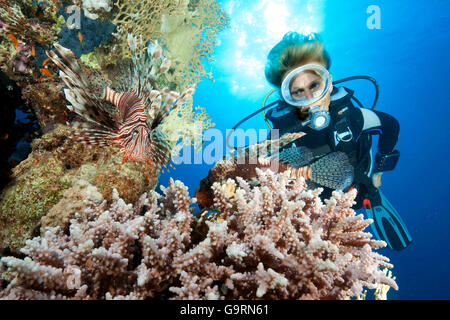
(81, 90)
(82, 132)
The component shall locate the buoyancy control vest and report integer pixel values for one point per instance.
(344, 132)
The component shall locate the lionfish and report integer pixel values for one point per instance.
(333, 170)
(129, 118)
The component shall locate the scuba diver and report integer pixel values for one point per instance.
(298, 69)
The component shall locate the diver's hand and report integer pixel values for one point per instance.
(376, 179)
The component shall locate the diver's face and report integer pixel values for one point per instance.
(305, 85)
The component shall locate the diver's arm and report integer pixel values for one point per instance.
(376, 122)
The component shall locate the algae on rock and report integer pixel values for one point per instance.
(55, 165)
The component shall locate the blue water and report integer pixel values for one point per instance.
(409, 58)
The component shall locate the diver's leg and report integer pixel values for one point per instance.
(387, 224)
(361, 195)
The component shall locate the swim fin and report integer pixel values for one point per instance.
(388, 225)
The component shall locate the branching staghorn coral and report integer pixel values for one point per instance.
(275, 241)
(320, 249)
(111, 252)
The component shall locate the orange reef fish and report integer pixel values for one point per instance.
(128, 118)
(14, 40)
(45, 61)
(80, 36)
(45, 72)
(33, 52)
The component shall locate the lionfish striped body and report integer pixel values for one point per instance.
(130, 118)
(134, 134)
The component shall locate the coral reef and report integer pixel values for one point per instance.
(91, 34)
(26, 28)
(53, 166)
(186, 126)
(187, 30)
(24, 25)
(36, 26)
(243, 164)
(274, 241)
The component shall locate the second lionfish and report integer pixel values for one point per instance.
(129, 117)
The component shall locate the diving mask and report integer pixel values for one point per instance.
(318, 83)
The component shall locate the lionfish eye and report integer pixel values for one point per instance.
(134, 133)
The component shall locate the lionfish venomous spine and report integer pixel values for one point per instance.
(130, 118)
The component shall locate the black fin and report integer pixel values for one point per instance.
(388, 225)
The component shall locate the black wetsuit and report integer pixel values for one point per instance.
(349, 131)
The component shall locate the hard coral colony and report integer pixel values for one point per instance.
(274, 241)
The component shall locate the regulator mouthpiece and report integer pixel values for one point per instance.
(318, 119)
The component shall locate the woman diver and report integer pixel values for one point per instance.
(298, 69)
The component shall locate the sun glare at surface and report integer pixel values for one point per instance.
(256, 26)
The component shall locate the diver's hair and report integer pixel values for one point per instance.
(293, 50)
